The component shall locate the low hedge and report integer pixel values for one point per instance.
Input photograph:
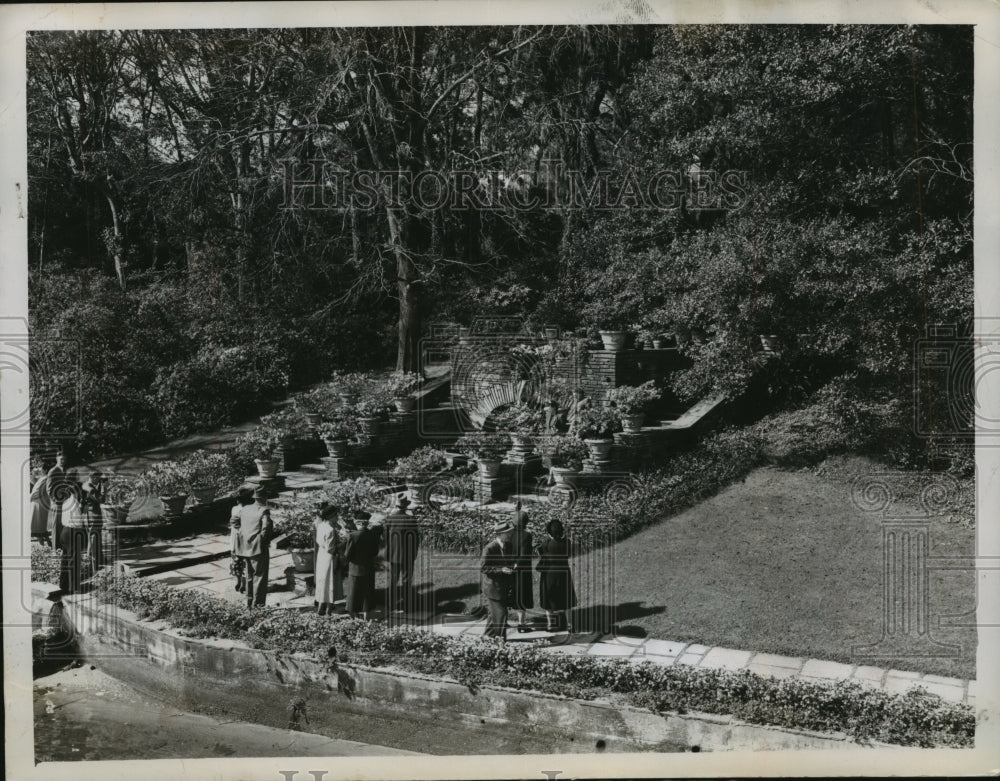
(916, 718)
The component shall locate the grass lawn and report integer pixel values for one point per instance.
(782, 563)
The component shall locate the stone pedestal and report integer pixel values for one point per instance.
(591, 466)
(489, 489)
(337, 468)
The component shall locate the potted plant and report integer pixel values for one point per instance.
(298, 525)
(351, 386)
(261, 444)
(400, 386)
(521, 421)
(370, 412)
(207, 473)
(597, 428)
(486, 448)
(418, 468)
(565, 457)
(119, 495)
(318, 404)
(629, 401)
(169, 481)
(336, 434)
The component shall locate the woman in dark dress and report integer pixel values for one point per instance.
(523, 593)
(556, 593)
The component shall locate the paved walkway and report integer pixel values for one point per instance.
(202, 562)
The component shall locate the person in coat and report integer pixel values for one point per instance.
(237, 567)
(253, 545)
(523, 592)
(361, 552)
(58, 488)
(40, 510)
(329, 556)
(555, 591)
(402, 539)
(498, 571)
(92, 494)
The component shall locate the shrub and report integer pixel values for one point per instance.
(479, 445)
(338, 428)
(298, 521)
(166, 478)
(288, 421)
(360, 493)
(915, 718)
(632, 399)
(563, 451)
(324, 400)
(401, 384)
(204, 468)
(122, 491)
(423, 461)
(598, 423)
(520, 418)
(45, 563)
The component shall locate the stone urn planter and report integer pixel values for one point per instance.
(632, 424)
(173, 506)
(489, 467)
(348, 399)
(303, 559)
(337, 448)
(614, 341)
(522, 442)
(405, 404)
(417, 493)
(657, 344)
(203, 494)
(563, 475)
(551, 333)
(313, 419)
(600, 449)
(114, 514)
(267, 468)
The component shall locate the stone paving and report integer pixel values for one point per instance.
(202, 562)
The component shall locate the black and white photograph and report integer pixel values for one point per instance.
(425, 390)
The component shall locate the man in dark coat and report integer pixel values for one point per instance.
(253, 546)
(402, 538)
(498, 571)
(361, 552)
(521, 547)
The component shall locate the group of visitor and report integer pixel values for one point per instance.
(508, 583)
(66, 515)
(347, 547)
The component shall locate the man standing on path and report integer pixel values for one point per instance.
(58, 489)
(361, 552)
(402, 538)
(498, 574)
(253, 546)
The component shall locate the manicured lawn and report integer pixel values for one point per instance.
(782, 563)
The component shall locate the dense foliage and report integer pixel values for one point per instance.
(172, 289)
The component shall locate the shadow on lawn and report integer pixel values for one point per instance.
(608, 618)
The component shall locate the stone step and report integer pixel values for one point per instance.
(313, 469)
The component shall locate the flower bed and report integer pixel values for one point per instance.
(916, 718)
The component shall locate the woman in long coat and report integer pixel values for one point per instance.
(58, 489)
(329, 561)
(92, 494)
(556, 593)
(523, 592)
(40, 509)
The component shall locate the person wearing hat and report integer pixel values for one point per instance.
(555, 589)
(361, 553)
(253, 546)
(498, 571)
(402, 538)
(59, 489)
(329, 559)
(237, 567)
(523, 591)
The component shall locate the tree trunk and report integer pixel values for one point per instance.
(117, 246)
